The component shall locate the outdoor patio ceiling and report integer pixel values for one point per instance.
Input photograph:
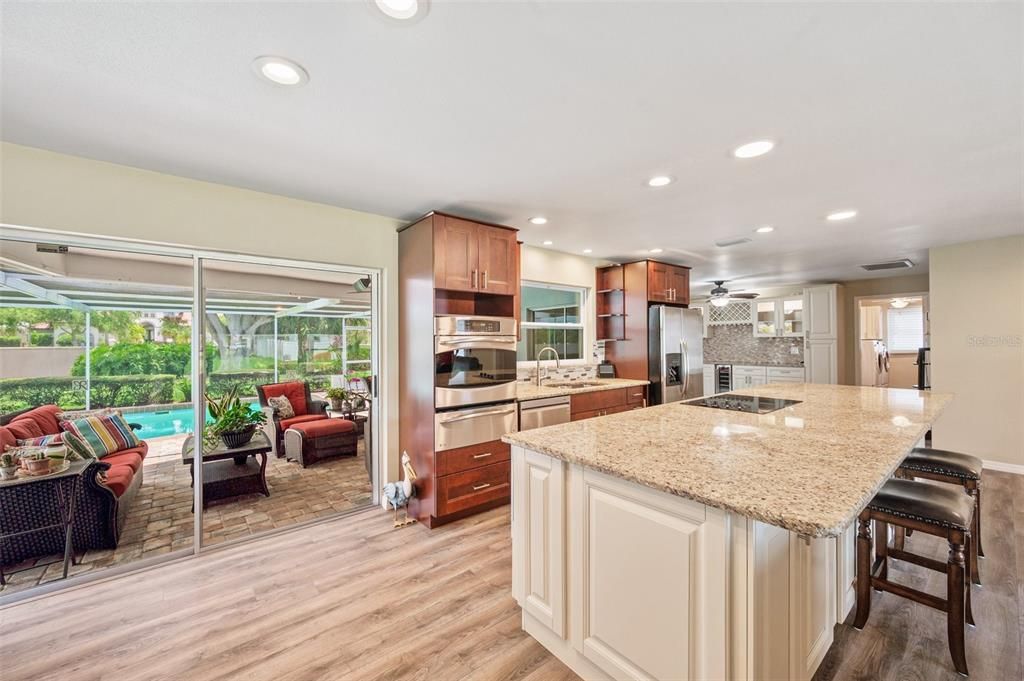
(33, 290)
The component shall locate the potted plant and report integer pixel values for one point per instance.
(8, 466)
(37, 463)
(233, 421)
(338, 397)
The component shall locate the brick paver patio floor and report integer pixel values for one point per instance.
(160, 519)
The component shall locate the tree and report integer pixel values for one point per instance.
(119, 323)
(234, 335)
(175, 330)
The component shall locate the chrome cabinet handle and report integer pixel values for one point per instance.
(483, 456)
(686, 365)
(485, 279)
(474, 280)
(477, 488)
(477, 339)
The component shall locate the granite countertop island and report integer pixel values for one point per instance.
(530, 391)
(809, 468)
(685, 542)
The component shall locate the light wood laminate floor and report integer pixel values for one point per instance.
(354, 599)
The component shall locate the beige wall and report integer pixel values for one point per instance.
(552, 267)
(977, 341)
(912, 283)
(54, 191)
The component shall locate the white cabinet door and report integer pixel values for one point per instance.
(812, 575)
(785, 375)
(755, 380)
(653, 576)
(821, 313)
(765, 317)
(791, 317)
(709, 380)
(821, 361)
(846, 572)
(538, 536)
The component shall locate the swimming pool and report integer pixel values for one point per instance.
(160, 423)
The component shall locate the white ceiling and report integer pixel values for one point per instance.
(910, 113)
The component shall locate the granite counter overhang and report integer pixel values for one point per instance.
(528, 391)
(809, 468)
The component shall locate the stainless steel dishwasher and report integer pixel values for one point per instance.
(547, 411)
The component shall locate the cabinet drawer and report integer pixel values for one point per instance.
(474, 456)
(461, 491)
(636, 395)
(748, 371)
(594, 413)
(595, 401)
(785, 372)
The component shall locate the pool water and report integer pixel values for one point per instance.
(167, 421)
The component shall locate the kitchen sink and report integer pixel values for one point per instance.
(574, 384)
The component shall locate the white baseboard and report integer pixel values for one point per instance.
(1004, 467)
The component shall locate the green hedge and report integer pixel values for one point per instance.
(10, 342)
(246, 381)
(107, 391)
(140, 359)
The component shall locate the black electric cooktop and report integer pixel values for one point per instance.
(748, 403)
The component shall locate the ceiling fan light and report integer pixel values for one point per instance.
(899, 303)
(720, 302)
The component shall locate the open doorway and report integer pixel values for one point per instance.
(891, 332)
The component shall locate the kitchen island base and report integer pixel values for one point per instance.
(643, 584)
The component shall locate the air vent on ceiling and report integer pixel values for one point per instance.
(724, 243)
(894, 265)
(51, 248)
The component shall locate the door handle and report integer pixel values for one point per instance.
(474, 280)
(477, 488)
(490, 412)
(485, 279)
(483, 456)
(686, 365)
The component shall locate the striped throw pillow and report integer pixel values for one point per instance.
(44, 441)
(98, 436)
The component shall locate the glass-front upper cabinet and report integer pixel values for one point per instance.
(766, 318)
(778, 317)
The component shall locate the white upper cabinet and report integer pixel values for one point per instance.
(821, 313)
(775, 317)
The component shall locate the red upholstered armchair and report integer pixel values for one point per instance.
(306, 409)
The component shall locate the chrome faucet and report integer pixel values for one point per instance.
(558, 363)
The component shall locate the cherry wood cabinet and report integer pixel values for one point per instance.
(644, 283)
(470, 256)
(668, 283)
(605, 402)
(449, 265)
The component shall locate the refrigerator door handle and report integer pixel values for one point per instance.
(686, 366)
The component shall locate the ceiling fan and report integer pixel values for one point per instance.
(720, 295)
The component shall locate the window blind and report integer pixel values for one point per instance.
(906, 329)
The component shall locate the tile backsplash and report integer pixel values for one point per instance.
(736, 344)
(570, 373)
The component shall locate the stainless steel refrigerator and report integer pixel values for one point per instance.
(675, 353)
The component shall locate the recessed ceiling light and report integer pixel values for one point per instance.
(660, 181)
(752, 149)
(656, 250)
(539, 220)
(400, 9)
(280, 70)
(765, 229)
(588, 250)
(841, 215)
(548, 243)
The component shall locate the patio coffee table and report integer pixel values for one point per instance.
(231, 472)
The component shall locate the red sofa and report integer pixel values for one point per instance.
(101, 506)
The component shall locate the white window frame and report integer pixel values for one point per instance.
(582, 325)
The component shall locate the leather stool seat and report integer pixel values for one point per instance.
(943, 462)
(926, 503)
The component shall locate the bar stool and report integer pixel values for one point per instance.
(956, 469)
(930, 509)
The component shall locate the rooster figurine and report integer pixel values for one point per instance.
(397, 494)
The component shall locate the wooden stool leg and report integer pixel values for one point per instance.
(955, 597)
(882, 549)
(899, 537)
(968, 613)
(863, 570)
(974, 489)
(972, 559)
